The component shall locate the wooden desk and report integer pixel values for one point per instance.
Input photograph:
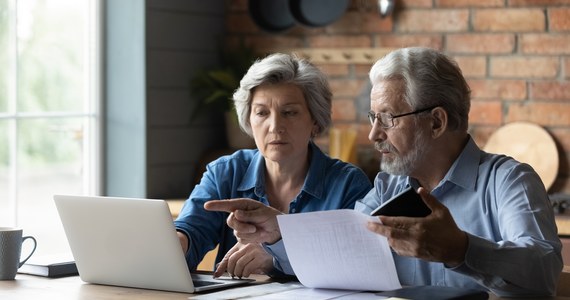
(27, 287)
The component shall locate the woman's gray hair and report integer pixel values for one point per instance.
(431, 79)
(284, 68)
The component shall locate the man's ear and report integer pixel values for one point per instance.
(439, 121)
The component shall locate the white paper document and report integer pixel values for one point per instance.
(334, 250)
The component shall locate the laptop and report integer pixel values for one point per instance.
(130, 242)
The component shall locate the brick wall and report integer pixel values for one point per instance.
(515, 55)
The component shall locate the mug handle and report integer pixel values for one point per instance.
(32, 252)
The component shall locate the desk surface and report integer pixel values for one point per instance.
(27, 287)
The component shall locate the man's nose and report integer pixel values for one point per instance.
(377, 132)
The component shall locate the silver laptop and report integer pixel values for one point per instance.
(129, 242)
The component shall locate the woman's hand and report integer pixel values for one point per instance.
(183, 241)
(244, 260)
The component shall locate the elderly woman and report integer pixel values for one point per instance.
(283, 102)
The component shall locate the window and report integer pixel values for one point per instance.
(49, 112)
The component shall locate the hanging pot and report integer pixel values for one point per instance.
(271, 15)
(317, 13)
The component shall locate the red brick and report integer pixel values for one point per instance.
(480, 43)
(346, 87)
(545, 114)
(303, 30)
(405, 4)
(561, 136)
(358, 23)
(361, 71)
(550, 90)
(363, 131)
(452, 20)
(486, 113)
(343, 110)
(545, 44)
(509, 20)
(537, 2)
(498, 88)
(334, 70)
(409, 40)
(322, 41)
(472, 66)
(524, 67)
(273, 43)
(470, 3)
(559, 19)
(481, 133)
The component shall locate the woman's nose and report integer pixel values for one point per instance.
(277, 124)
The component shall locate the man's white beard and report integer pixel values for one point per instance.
(403, 165)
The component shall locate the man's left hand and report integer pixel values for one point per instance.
(433, 238)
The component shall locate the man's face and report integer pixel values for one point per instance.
(403, 145)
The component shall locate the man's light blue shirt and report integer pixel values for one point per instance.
(329, 184)
(502, 204)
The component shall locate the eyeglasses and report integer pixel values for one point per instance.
(387, 120)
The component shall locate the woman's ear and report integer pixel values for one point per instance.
(439, 121)
(315, 129)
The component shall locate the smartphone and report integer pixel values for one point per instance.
(408, 203)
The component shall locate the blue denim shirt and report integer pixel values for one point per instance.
(514, 249)
(330, 184)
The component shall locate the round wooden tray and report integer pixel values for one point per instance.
(528, 143)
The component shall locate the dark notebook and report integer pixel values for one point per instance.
(436, 292)
(50, 266)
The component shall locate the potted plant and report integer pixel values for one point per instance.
(215, 87)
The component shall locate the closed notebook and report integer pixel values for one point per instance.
(436, 292)
(50, 266)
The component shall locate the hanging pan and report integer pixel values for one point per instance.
(317, 13)
(271, 15)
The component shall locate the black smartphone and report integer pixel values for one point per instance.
(408, 203)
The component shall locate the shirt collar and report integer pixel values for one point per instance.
(465, 169)
(255, 174)
(317, 173)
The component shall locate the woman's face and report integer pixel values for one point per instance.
(281, 122)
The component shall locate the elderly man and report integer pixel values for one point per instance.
(491, 226)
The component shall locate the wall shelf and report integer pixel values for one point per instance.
(342, 55)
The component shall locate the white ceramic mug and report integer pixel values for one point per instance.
(11, 241)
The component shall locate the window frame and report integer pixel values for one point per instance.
(92, 114)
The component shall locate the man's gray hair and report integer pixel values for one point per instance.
(431, 78)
